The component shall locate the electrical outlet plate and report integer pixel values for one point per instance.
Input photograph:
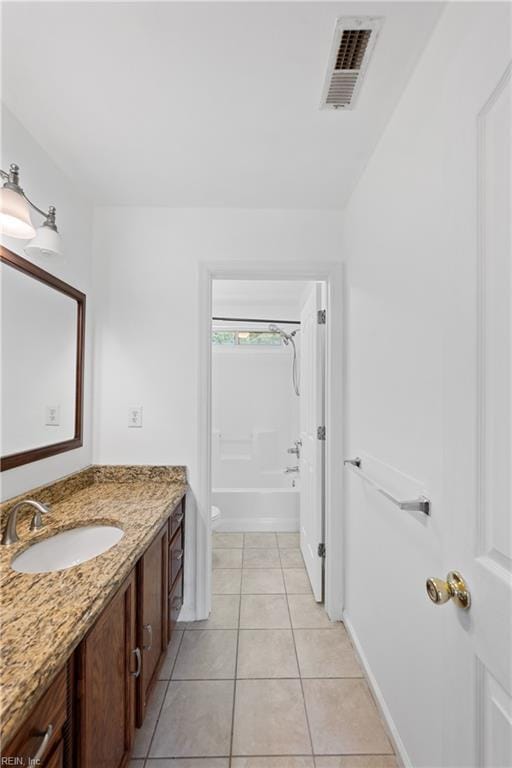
(52, 415)
(135, 416)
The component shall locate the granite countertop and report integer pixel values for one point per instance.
(44, 616)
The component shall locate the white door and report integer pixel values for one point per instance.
(312, 450)
(478, 472)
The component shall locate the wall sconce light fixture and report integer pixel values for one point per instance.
(15, 218)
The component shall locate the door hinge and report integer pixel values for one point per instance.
(321, 550)
(320, 433)
(322, 316)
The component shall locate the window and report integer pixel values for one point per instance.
(246, 339)
(224, 338)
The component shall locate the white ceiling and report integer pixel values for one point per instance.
(203, 104)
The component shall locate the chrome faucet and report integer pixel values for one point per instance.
(289, 470)
(296, 449)
(10, 535)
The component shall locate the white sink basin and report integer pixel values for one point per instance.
(67, 549)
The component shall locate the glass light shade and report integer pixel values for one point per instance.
(47, 242)
(14, 215)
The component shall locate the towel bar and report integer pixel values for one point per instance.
(421, 504)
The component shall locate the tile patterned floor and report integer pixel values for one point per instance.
(267, 681)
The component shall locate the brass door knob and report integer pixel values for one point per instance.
(454, 588)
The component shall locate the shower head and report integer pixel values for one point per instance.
(288, 339)
(276, 329)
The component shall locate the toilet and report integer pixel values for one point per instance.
(216, 516)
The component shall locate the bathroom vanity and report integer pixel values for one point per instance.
(91, 591)
(82, 647)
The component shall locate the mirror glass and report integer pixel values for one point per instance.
(39, 362)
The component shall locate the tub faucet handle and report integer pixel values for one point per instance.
(296, 449)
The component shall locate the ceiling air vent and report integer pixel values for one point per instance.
(354, 40)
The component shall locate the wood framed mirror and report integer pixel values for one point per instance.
(43, 340)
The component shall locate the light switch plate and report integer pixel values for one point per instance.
(135, 416)
(52, 415)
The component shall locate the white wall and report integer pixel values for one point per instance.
(146, 266)
(410, 239)
(47, 184)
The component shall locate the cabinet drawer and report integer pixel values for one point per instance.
(42, 730)
(175, 603)
(175, 556)
(176, 519)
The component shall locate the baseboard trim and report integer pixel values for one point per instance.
(398, 745)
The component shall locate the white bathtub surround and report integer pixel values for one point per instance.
(255, 415)
(258, 509)
(255, 411)
(245, 456)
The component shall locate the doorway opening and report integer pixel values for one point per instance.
(268, 433)
(271, 435)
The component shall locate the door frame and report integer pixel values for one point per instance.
(331, 273)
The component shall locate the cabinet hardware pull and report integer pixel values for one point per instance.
(43, 745)
(149, 629)
(136, 651)
(177, 554)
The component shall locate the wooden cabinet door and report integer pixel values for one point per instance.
(56, 759)
(152, 615)
(107, 665)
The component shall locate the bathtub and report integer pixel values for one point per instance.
(258, 509)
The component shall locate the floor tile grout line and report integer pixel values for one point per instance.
(234, 683)
(256, 629)
(224, 757)
(230, 759)
(264, 677)
(234, 680)
(164, 696)
(300, 679)
(265, 594)
(251, 679)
